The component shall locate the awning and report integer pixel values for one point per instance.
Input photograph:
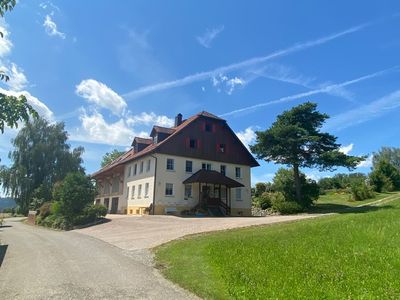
(213, 177)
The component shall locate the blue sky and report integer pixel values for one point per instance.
(110, 71)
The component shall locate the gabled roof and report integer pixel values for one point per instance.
(213, 177)
(162, 130)
(152, 148)
(140, 140)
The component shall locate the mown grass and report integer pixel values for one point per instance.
(347, 256)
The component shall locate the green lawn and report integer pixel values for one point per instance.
(354, 255)
(337, 202)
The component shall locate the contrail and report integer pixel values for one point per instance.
(253, 61)
(325, 89)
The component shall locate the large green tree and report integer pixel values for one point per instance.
(389, 154)
(12, 109)
(41, 157)
(295, 139)
(110, 156)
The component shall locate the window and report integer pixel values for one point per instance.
(133, 192)
(135, 170)
(222, 148)
(208, 127)
(155, 139)
(141, 167)
(188, 191)
(115, 185)
(97, 201)
(148, 165)
(238, 194)
(146, 189)
(106, 187)
(206, 166)
(238, 172)
(169, 189)
(189, 166)
(127, 192)
(130, 171)
(170, 164)
(193, 143)
(223, 170)
(139, 191)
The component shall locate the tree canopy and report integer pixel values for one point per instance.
(295, 139)
(110, 156)
(40, 158)
(12, 109)
(390, 154)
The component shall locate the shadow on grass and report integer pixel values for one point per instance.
(327, 208)
(3, 250)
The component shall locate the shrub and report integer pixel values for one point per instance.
(385, 177)
(284, 182)
(90, 214)
(361, 191)
(45, 209)
(263, 201)
(280, 204)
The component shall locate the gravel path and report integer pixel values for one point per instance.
(46, 264)
(145, 232)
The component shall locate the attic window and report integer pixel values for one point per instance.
(222, 148)
(208, 127)
(192, 143)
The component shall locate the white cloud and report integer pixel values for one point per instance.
(366, 163)
(101, 95)
(366, 112)
(326, 89)
(18, 80)
(243, 64)
(149, 119)
(5, 42)
(51, 27)
(95, 129)
(207, 38)
(248, 136)
(38, 105)
(227, 84)
(346, 149)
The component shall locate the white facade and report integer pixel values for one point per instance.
(165, 188)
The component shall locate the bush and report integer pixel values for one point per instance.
(90, 214)
(281, 205)
(361, 191)
(263, 201)
(385, 177)
(284, 182)
(45, 209)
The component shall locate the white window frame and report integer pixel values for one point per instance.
(173, 164)
(188, 195)
(148, 165)
(191, 167)
(141, 167)
(238, 194)
(127, 192)
(146, 190)
(220, 169)
(172, 189)
(208, 166)
(236, 172)
(133, 192)
(135, 170)
(139, 191)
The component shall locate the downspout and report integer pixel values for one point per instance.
(154, 186)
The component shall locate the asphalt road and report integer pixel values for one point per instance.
(46, 264)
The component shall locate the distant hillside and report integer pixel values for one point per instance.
(6, 203)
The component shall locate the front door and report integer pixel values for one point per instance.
(114, 205)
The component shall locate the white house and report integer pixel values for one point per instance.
(198, 164)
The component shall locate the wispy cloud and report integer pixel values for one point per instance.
(51, 27)
(326, 89)
(240, 65)
(100, 94)
(207, 38)
(5, 42)
(18, 80)
(223, 82)
(149, 119)
(365, 113)
(366, 163)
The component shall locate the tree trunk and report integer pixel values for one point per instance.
(297, 184)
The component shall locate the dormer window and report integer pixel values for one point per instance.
(155, 139)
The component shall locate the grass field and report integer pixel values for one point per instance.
(354, 255)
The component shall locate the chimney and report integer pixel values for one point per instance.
(178, 120)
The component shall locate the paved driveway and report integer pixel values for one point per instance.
(46, 264)
(144, 232)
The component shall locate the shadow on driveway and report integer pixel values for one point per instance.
(3, 250)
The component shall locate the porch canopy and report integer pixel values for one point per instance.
(212, 177)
